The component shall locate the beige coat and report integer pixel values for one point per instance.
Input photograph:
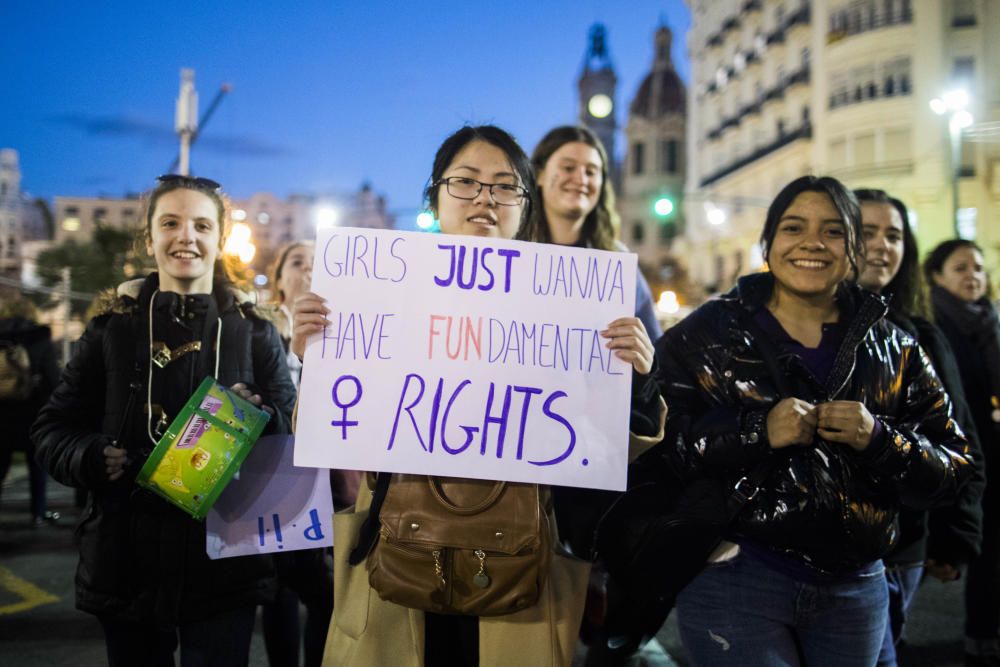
(366, 631)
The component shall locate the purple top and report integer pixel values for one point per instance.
(818, 360)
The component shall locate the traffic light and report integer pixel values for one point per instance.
(663, 206)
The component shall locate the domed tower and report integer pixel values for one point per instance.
(653, 171)
(597, 84)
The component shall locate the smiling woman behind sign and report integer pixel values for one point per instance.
(480, 185)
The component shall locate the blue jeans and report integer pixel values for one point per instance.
(222, 640)
(903, 582)
(741, 612)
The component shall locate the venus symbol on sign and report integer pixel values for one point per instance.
(335, 393)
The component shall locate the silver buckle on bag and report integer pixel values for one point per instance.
(746, 495)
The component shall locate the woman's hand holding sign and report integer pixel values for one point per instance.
(308, 318)
(629, 340)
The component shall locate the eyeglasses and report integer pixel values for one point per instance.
(206, 183)
(505, 194)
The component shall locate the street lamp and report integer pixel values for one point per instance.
(425, 220)
(325, 216)
(240, 243)
(954, 104)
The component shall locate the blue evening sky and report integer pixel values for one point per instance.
(326, 94)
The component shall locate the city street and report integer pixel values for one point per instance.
(39, 625)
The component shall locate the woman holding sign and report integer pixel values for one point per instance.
(143, 567)
(481, 184)
(797, 396)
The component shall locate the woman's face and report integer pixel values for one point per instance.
(808, 255)
(963, 274)
(481, 216)
(296, 273)
(883, 229)
(184, 237)
(571, 181)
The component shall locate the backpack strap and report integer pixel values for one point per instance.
(370, 528)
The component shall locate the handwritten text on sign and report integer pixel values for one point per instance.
(467, 357)
(272, 506)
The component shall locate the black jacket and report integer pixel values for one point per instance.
(826, 504)
(954, 532)
(978, 390)
(17, 416)
(141, 558)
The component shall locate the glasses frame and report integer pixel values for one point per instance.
(207, 183)
(522, 191)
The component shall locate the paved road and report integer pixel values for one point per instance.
(39, 625)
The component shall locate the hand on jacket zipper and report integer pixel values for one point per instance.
(791, 421)
(847, 422)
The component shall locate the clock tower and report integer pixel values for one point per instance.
(597, 93)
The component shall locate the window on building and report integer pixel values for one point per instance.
(3, 189)
(638, 233)
(963, 70)
(838, 154)
(897, 145)
(668, 231)
(864, 149)
(668, 156)
(963, 13)
(100, 215)
(638, 157)
(967, 165)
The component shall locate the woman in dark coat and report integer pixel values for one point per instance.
(797, 373)
(940, 542)
(143, 568)
(963, 311)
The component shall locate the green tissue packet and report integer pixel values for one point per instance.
(203, 448)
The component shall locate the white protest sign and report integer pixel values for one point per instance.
(272, 506)
(467, 357)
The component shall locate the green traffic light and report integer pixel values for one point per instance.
(663, 207)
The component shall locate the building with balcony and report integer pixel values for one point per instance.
(782, 88)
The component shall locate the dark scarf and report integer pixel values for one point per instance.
(978, 321)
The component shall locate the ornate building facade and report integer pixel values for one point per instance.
(782, 88)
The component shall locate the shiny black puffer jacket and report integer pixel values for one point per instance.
(826, 504)
(142, 559)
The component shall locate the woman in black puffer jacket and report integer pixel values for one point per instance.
(937, 543)
(143, 568)
(963, 311)
(851, 420)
